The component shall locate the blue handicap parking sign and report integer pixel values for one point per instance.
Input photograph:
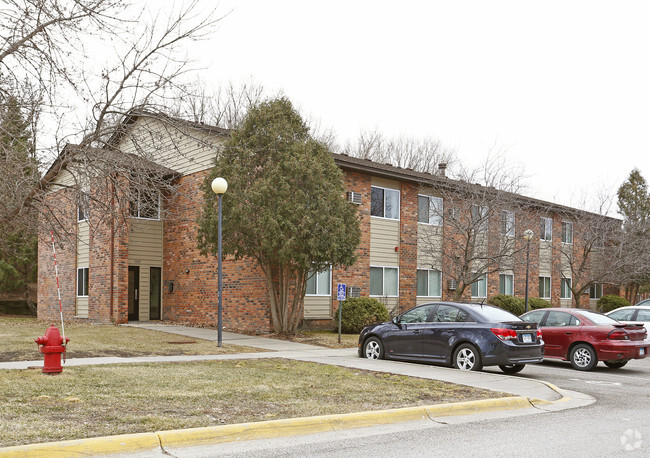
(340, 292)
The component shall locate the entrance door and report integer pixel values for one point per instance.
(134, 293)
(154, 292)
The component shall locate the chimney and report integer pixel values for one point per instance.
(442, 168)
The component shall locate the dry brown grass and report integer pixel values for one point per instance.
(91, 401)
(87, 340)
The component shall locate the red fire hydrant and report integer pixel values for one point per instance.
(52, 345)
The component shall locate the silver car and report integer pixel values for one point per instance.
(634, 314)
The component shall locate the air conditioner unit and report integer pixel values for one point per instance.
(452, 285)
(354, 197)
(354, 291)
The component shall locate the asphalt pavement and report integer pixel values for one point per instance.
(534, 395)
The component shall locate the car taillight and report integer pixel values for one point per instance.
(504, 334)
(618, 334)
(539, 334)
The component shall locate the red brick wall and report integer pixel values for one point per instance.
(408, 248)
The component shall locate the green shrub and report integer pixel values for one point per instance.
(610, 302)
(535, 303)
(358, 312)
(512, 304)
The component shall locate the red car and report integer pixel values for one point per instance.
(585, 337)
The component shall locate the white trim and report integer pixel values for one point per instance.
(383, 279)
(438, 215)
(399, 203)
(485, 277)
(77, 282)
(550, 285)
(428, 283)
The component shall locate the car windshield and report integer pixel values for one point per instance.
(597, 318)
(496, 314)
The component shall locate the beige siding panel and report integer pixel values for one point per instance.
(566, 302)
(384, 237)
(545, 258)
(391, 303)
(83, 244)
(146, 251)
(384, 183)
(186, 152)
(82, 307)
(63, 179)
(426, 300)
(429, 246)
(318, 307)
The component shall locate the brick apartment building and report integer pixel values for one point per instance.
(150, 268)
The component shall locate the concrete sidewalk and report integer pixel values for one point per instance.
(529, 394)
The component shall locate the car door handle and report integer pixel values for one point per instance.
(416, 331)
(568, 333)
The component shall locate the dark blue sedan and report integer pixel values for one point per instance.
(466, 336)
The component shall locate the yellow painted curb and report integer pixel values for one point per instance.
(256, 430)
(126, 443)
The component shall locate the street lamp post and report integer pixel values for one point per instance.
(528, 234)
(219, 187)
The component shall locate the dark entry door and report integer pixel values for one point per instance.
(154, 292)
(134, 293)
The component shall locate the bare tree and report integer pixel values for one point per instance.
(420, 154)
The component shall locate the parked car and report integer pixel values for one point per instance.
(634, 314)
(645, 302)
(466, 336)
(584, 337)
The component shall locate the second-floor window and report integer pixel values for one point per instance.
(546, 228)
(430, 210)
(145, 204)
(384, 202)
(567, 232)
(480, 217)
(82, 208)
(508, 223)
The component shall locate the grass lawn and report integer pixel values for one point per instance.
(90, 401)
(87, 340)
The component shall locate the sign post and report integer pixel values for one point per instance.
(340, 295)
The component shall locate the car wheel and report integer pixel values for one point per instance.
(615, 364)
(373, 348)
(467, 358)
(583, 357)
(511, 368)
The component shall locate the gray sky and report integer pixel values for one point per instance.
(561, 86)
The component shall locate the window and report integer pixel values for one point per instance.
(565, 288)
(545, 287)
(567, 232)
(506, 284)
(508, 223)
(534, 317)
(429, 283)
(479, 287)
(556, 318)
(546, 229)
(384, 202)
(450, 314)
(430, 210)
(82, 207)
(623, 315)
(596, 291)
(416, 315)
(82, 282)
(320, 283)
(384, 281)
(480, 217)
(145, 204)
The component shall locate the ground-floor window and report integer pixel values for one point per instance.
(82, 282)
(506, 284)
(429, 284)
(596, 291)
(545, 287)
(565, 288)
(384, 281)
(319, 283)
(479, 287)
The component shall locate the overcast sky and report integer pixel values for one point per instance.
(563, 87)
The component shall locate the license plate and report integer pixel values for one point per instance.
(527, 338)
(641, 351)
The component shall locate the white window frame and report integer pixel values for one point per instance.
(383, 281)
(137, 201)
(565, 288)
(567, 232)
(84, 281)
(316, 277)
(546, 225)
(596, 291)
(512, 284)
(477, 284)
(508, 223)
(549, 287)
(435, 208)
(428, 276)
(82, 207)
(386, 191)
